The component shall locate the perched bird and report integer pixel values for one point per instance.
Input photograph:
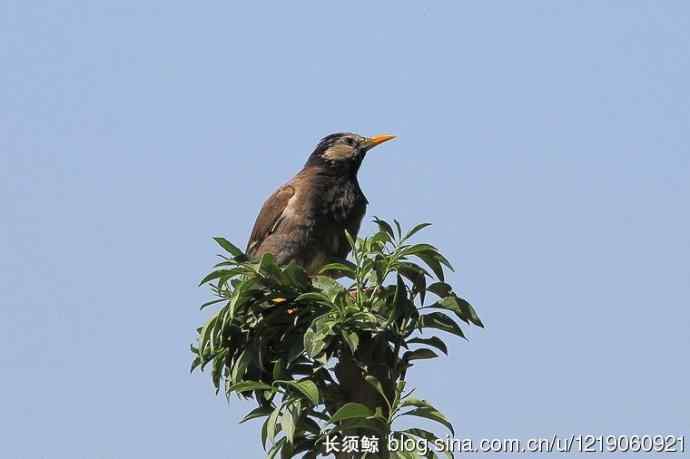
(305, 220)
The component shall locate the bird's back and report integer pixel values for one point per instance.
(305, 220)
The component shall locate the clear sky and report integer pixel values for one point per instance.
(548, 142)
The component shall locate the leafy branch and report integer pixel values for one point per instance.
(322, 358)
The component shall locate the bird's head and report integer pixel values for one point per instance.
(343, 152)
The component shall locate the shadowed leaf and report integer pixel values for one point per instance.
(419, 354)
(247, 386)
(433, 341)
(440, 321)
(306, 387)
(229, 247)
(351, 410)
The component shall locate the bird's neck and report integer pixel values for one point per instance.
(348, 167)
(337, 172)
(328, 180)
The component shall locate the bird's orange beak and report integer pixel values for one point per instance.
(379, 139)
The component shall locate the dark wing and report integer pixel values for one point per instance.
(270, 217)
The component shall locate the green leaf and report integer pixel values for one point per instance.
(315, 339)
(469, 312)
(412, 401)
(352, 340)
(440, 321)
(431, 414)
(240, 295)
(419, 354)
(460, 307)
(417, 276)
(429, 255)
(259, 412)
(278, 369)
(225, 244)
(306, 387)
(315, 297)
(217, 369)
(248, 386)
(377, 242)
(221, 273)
(266, 265)
(440, 289)
(205, 338)
(415, 230)
(449, 303)
(205, 305)
(287, 423)
(432, 263)
(227, 262)
(276, 448)
(434, 341)
(272, 426)
(376, 384)
(195, 363)
(385, 227)
(398, 228)
(403, 306)
(328, 286)
(351, 410)
(296, 274)
(345, 268)
(239, 367)
(414, 249)
(350, 240)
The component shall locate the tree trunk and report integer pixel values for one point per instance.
(376, 357)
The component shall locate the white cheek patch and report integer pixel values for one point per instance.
(338, 152)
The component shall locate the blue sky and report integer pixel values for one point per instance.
(548, 142)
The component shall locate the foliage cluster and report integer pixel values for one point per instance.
(323, 358)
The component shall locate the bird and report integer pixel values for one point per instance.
(304, 221)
